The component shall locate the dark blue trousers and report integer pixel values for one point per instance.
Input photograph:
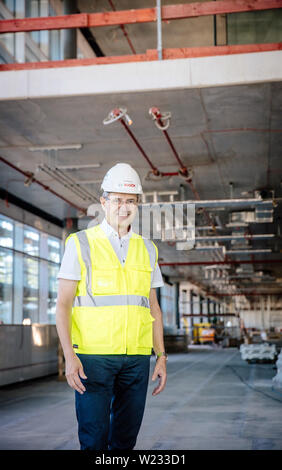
(110, 411)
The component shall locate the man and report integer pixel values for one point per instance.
(108, 318)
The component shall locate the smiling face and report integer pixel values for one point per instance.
(120, 209)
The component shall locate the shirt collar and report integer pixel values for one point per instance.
(111, 232)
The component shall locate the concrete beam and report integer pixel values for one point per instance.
(200, 72)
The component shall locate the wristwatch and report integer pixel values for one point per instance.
(160, 355)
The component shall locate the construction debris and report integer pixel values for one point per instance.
(277, 380)
(258, 352)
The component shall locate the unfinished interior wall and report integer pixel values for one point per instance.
(264, 313)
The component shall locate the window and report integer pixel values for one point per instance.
(54, 249)
(30, 289)
(37, 8)
(7, 41)
(31, 46)
(31, 241)
(52, 291)
(29, 264)
(6, 269)
(54, 256)
(54, 39)
(10, 5)
(6, 232)
(6, 285)
(31, 274)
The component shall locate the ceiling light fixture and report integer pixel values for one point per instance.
(78, 167)
(88, 181)
(231, 252)
(42, 148)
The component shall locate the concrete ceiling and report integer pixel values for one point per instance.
(224, 134)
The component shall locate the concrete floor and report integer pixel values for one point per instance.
(213, 401)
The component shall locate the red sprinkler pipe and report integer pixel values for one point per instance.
(47, 188)
(183, 169)
(156, 171)
(207, 263)
(156, 112)
(209, 315)
(243, 293)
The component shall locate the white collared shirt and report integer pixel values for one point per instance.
(70, 266)
(119, 244)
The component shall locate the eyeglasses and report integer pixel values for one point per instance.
(116, 201)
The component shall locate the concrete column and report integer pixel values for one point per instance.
(200, 300)
(177, 314)
(70, 226)
(205, 309)
(69, 49)
(220, 33)
(191, 310)
(213, 310)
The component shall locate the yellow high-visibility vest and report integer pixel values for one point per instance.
(111, 310)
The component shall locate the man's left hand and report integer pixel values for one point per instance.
(160, 371)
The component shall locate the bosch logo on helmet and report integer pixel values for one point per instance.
(122, 178)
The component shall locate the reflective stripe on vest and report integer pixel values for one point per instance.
(108, 300)
(111, 310)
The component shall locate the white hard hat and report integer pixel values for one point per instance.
(122, 178)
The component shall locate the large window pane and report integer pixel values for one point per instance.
(54, 39)
(54, 254)
(29, 264)
(31, 241)
(54, 249)
(38, 8)
(44, 35)
(6, 285)
(32, 10)
(6, 232)
(11, 5)
(18, 289)
(52, 291)
(31, 291)
(8, 42)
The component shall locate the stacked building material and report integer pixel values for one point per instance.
(263, 351)
(277, 380)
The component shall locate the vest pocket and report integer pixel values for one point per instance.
(139, 279)
(105, 281)
(145, 333)
(98, 329)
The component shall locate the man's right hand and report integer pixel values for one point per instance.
(74, 371)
